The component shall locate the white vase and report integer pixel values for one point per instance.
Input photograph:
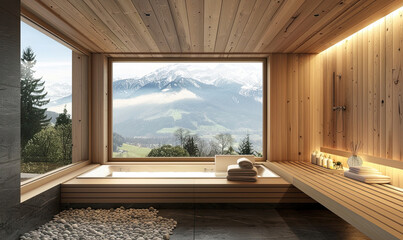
(354, 161)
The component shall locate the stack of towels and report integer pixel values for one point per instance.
(242, 171)
(366, 175)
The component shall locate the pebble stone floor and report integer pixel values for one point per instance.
(233, 223)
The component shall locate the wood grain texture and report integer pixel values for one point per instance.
(80, 103)
(370, 83)
(99, 108)
(274, 190)
(375, 209)
(391, 168)
(281, 26)
(296, 126)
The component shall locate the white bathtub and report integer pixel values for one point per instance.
(165, 171)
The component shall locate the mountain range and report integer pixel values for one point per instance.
(207, 102)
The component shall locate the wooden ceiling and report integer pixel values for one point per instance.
(205, 26)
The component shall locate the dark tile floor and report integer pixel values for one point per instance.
(257, 223)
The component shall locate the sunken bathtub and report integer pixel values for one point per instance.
(165, 171)
(175, 183)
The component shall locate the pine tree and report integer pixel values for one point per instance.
(191, 146)
(63, 118)
(64, 129)
(33, 117)
(245, 147)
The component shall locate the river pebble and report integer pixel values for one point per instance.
(119, 223)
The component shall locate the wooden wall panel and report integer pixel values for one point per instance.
(80, 117)
(99, 108)
(295, 108)
(370, 87)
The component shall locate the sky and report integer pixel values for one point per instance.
(124, 70)
(53, 61)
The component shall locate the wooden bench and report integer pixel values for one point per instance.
(374, 209)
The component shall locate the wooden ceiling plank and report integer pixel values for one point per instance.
(69, 13)
(212, 9)
(256, 15)
(164, 16)
(151, 22)
(125, 24)
(38, 11)
(283, 16)
(229, 9)
(180, 18)
(355, 22)
(297, 25)
(195, 11)
(134, 17)
(104, 15)
(43, 27)
(260, 29)
(324, 10)
(344, 16)
(243, 14)
(98, 24)
(321, 22)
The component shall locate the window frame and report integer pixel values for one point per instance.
(111, 60)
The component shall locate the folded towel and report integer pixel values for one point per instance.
(242, 178)
(368, 178)
(235, 170)
(245, 163)
(364, 170)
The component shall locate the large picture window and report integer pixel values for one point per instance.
(186, 108)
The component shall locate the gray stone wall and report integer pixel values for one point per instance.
(15, 218)
(9, 111)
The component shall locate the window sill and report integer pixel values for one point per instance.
(40, 184)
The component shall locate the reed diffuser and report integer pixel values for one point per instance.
(355, 160)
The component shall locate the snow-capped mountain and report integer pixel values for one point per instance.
(247, 75)
(203, 101)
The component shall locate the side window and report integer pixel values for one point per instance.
(46, 103)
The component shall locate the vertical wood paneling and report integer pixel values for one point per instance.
(80, 118)
(396, 72)
(370, 113)
(277, 107)
(365, 92)
(389, 87)
(382, 90)
(99, 109)
(370, 63)
(376, 91)
(296, 109)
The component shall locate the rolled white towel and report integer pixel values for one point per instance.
(245, 163)
(242, 178)
(235, 170)
(369, 178)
